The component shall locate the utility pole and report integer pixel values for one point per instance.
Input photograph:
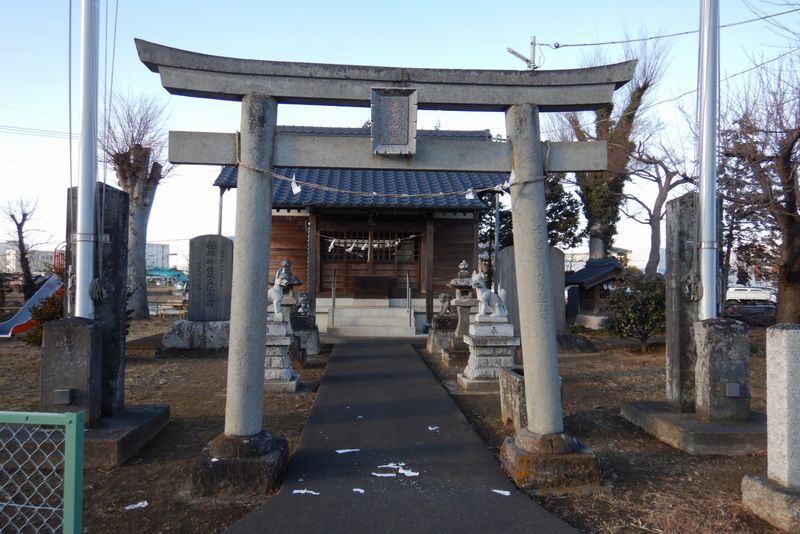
(707, 147)
(86, 231)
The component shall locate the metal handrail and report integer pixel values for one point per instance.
(332, 309)
(409, 308)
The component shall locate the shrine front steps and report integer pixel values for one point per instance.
(368, 320)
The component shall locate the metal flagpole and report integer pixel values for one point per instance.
(85, 233)
(707, 147)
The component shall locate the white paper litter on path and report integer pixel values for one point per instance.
(305, 492)
(502, 492)
(408, 472)
(433, 428)
(358, 490)
(345, 451)
(140, 504)
(392, 466)
(384, 474)
(214, 460)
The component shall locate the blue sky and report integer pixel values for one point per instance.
(450, 34)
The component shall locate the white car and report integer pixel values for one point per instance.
(750, 293)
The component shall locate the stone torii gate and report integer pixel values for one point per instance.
(394, 94)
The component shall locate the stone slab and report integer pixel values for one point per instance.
(202, 335)
(277, 328)
(772, 502)
(110, 311)
(210, 278)
(575, 343)
(239, 476)
(681, 311)
(438, 339)
(690, 434)
(281, 386)
(485, 341)
(478, 385)
(783, 404)
(71, 360)
(309, 340)
(454, 356)
(549, 474)
(723, 358)
(490, 319)
(486, 329)
(512, 397)
(278, 341)
(116, 439)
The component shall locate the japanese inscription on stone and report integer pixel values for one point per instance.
(394, 121)
(210, 270)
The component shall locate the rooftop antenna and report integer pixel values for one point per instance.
(530, 63)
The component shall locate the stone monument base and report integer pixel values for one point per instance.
(438, 339)
(115, 439)
(551, 464)
(235, 465)
(202, 335)
(687, 432)
(775, 504)
(590, 320)
(309, 339)
(478, 385)
(281, 386)
(454, 356)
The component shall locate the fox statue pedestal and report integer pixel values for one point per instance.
(491, 345)
(491, 341)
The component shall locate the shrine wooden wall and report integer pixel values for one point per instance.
(454, 240)
(289, 237)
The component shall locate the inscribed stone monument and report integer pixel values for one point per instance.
(210, 269)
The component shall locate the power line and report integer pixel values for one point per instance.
(557, 45)
(687, 93)
(19, 130)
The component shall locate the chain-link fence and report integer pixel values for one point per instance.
(41, 472)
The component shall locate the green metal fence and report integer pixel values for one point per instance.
(41, 472)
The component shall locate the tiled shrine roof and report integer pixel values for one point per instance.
(348, 181)
(354, 187)
(595, 272)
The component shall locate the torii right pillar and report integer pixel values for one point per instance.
(541, 456)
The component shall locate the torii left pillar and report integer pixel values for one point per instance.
(247, 458)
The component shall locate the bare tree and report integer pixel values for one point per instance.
(602, 191)
(762, 138)
(134, 143)
(657, 167)
(20, 214)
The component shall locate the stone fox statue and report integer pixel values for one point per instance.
(489, 303)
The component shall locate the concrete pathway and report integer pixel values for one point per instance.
(385, 449)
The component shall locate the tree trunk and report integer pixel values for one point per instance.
(654, 258)
(28, 287)
(789, 274)
(142, 191)
(597, 248)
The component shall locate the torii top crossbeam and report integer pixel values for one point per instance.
(202, 75)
